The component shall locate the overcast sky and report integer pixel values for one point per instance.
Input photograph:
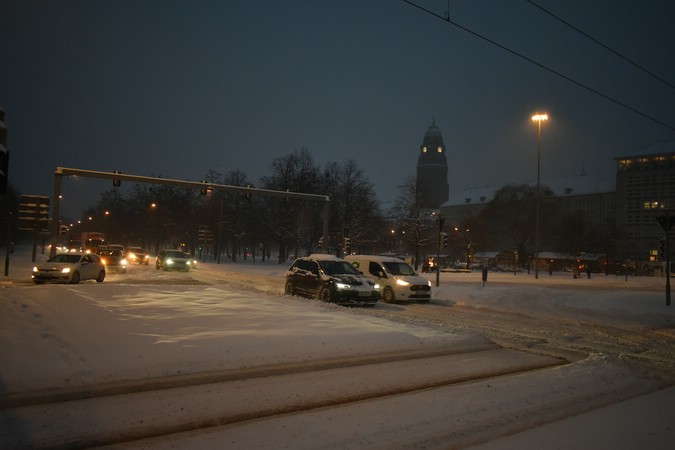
(174, 88)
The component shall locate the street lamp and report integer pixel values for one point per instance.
(539, 118)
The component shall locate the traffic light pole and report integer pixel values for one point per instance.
(668, 268)
(118, 177)
(438, 256)
(666, 223)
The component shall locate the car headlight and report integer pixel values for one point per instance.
(65, 270)
(123, 262)
(342, 286)
(35, 269)
(188, 263)
(169, 261)
(376, 286)
(402, 282)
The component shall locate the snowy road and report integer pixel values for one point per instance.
(219, 358)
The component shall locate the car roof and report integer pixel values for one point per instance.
(377, 258)
(323, 257)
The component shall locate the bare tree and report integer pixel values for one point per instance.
(410, 217)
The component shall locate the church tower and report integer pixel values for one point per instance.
(432, 169)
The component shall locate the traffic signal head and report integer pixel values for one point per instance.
(443, 240)
(116, 181)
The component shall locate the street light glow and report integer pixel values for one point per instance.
(539, 117)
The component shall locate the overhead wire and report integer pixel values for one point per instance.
(540, 65)
(586, 35)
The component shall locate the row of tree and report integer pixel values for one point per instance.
(234, 225)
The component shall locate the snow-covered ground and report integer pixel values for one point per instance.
(59, 337)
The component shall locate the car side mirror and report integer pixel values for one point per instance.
(381, 274)
(315, 272)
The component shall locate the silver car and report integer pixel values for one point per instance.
(70, 268)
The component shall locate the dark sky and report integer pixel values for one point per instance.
(175, 88)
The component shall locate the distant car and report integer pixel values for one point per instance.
(119, 247)
(137, 255)
(330, 279)
(70, 268)
(173, 260)
(193, 260)
(114, 259)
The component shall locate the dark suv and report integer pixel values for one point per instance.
(330, 279)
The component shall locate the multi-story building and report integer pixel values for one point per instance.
(585, 194)
(645, 190)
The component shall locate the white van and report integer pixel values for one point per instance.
(397, 279)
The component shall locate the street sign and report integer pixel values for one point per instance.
(33, 213)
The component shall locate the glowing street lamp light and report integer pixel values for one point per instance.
(539, 118)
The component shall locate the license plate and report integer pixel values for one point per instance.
(364, 294)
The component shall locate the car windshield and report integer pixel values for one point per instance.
(65, 258)
(175, 254)
(338, 268)
(399, 268)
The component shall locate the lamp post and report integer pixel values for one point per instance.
(538, 118)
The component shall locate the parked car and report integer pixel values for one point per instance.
(397, 279)
(330, 279)
(138, 255)
(114, 259)
(71, 268)
(173, 260)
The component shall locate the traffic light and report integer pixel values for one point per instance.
(443, 240)
(320, 243)
(116, 181)
(205, 189)
(347, 244)
(662, 247)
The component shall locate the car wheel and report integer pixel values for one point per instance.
(38, 281)
(289, 289)
(75, 278)
(325, 295)
(101, 276)
(388, 295)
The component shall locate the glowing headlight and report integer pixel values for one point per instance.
(35, 269)
(188, 263)
(123, 262)
(342, 286)
(65, 270)
(376, 286)
(169, 261)
(402, 282)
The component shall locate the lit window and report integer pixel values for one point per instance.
(424, 149)
(440, 149)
